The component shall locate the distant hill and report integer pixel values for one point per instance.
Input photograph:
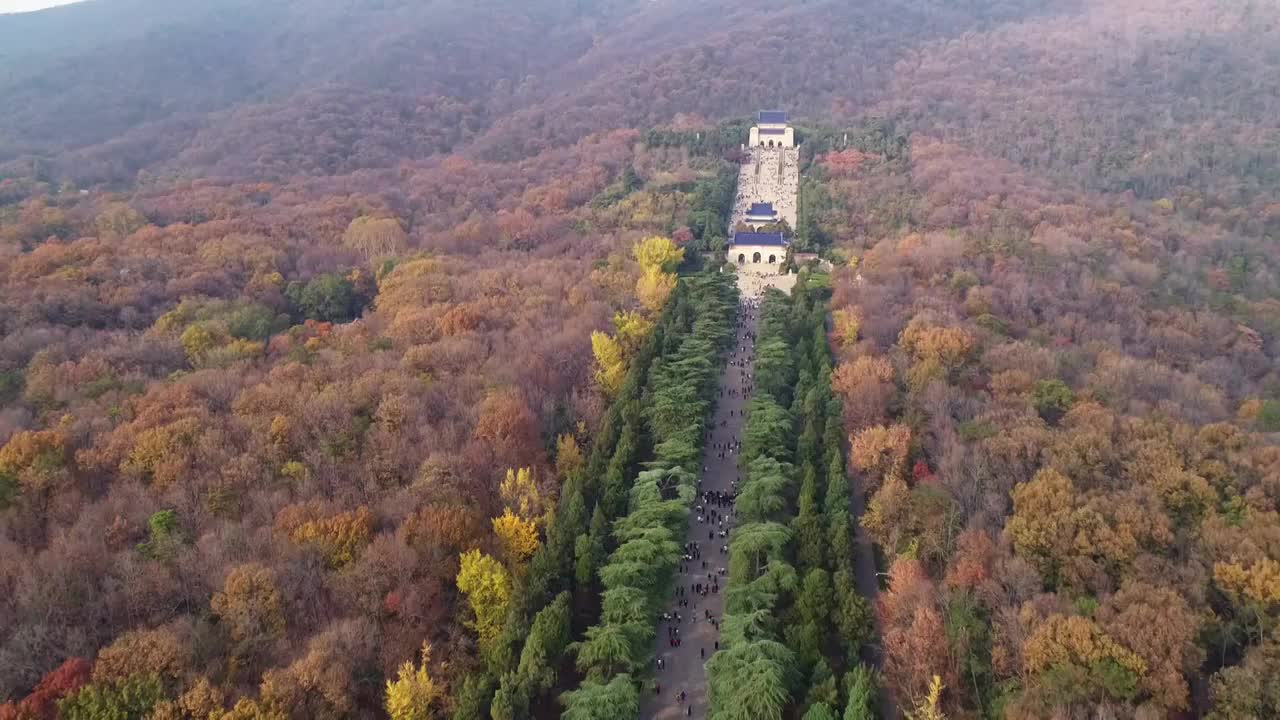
(72, 85)
(103, 89)
(100, 90)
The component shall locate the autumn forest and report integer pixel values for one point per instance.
(356, 357)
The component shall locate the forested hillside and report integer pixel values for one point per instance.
(230, 88)
(1063, 409)
(297, 303)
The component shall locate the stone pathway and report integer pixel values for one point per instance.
(753, 279)
(773, 176)
(683, 666)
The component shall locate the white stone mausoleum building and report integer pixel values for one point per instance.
(757, 248)
(767, 195)
(771, 130)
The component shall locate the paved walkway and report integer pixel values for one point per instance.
(683, 664)
(695, 616)
(772, 176)
(753, 279)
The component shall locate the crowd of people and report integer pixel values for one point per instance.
(753, 281)
(772, 176)
(697, 598)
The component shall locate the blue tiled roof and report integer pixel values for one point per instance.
(773, 116)
(761, 209)
(773, 239)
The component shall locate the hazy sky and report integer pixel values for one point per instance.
(12, 6)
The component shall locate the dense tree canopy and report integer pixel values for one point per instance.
(280, 310)
(1054, 412)
(794, 622)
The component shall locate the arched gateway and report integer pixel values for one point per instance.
(758, 246)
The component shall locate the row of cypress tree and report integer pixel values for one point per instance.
(638, 576)
(638, 482)
(794, 623)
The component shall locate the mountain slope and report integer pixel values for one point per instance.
(287, 288)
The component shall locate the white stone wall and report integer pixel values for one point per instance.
(748, 253)
(758, 139)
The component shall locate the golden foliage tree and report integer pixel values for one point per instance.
(487, 585)
(846, 323)
(202, 700)
(887, 518)
(611, 364)
(517, 536)
(630, 330)
(248, 709)
(658, 254)
(1257, 582)
(937, 351)
(35, 460)
(197, 341)
(413, 694)
(520, 493)
(881, 450)
(118, 220)
(339, 537)
(1042, 527)
(653, 288)
(1157, 465)
(1114, 528)
(930, 706)
(412, 284)
(517, 527)
(614, 353)
(926, 341)
(160, 454)
(658, 258)
(1075, 640)
(249, 604)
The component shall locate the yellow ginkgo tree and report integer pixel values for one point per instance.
(413, 694)
(520, 493)
(658, 258)
(613, 353)
(611, 365)
(524, 513)
(657, 253)
(517, 537)
(487, 585)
